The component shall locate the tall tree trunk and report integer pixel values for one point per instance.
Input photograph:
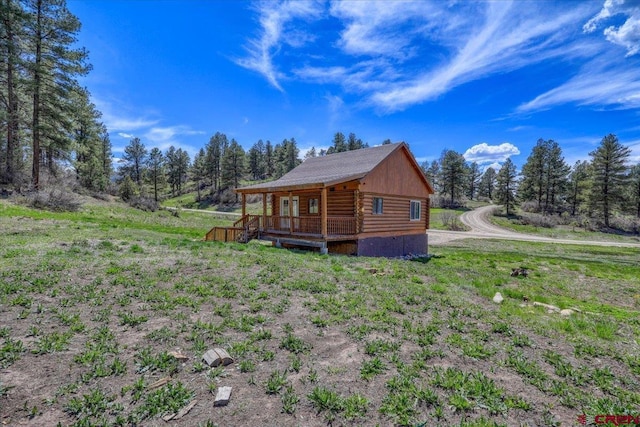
(12, 99)
(35, 169)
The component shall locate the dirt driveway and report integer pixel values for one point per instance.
(481, 228)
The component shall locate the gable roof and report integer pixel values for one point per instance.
(331, 169)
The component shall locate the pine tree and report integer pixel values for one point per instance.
(155, 170)
(354, 143)
(199, 170)
(452, 176)
(533, 175)
(233, 166)
(433, 175)
(311, 153)
(89, 139)
(608, 176)
(53, 65)
(12, 23)
(634, 189)
(556, 171)
(255, 161)
(339, 144)
(177, 166)
(269, 160)
(487, 183)
(473, 180)
(506, 186)
(215, 150)
(134, 160)
(577, 186)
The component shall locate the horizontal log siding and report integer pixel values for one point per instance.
(395, 216)
(340, 203)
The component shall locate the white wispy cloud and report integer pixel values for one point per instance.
(117, 117)
(484, 153)
(165, 137)
(596, 84)
(626, 35)
(273, 18)
(125, 135)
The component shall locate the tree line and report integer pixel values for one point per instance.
(600, 187)
(48, 124)
(221, 165)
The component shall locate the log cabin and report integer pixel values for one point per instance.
(368, 202)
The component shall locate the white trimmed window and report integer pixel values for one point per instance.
(377, 205)
(313, 206)
(415, 210)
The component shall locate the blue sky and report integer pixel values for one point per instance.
(487, 79)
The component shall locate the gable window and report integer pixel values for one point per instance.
(415, 210)
(313, 206)
(377, 205)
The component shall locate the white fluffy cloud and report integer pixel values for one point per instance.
(484, 153)
(626, 35)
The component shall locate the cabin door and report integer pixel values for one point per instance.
(284, 211)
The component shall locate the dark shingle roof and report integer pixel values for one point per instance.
(330, 169)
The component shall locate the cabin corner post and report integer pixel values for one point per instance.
(244, 204)
(290, 212)
(264, 210)
(323, 212)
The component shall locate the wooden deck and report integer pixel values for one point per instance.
(275, 228)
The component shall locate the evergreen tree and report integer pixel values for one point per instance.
(53, 63)
(199, 170)
(269, 160)
(578, 182)
(311, 153)
(386, 142)
(533, 175)
(127, 189)
(433, 175)
(634, 189)
(256, 161)
(89, 139)
(339, 144)
(215, 150)
(506, 186)
(452, 176)
(354, 143)
(544, 176)
(177, 168)
(12, 24)
(155, 171)
(473, 180)
(608, 176)
(286, 157)
(233, 166)
(134, 159)
(487, 183)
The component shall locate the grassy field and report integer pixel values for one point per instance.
(92, 303)
(446, 219)
(561, 231)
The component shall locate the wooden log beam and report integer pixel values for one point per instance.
(323, 212)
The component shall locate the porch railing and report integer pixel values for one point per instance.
(311, 225)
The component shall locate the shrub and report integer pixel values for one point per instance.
(537, 220)
(144, 203)
(55, 200)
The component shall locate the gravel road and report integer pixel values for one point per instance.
(481, 228)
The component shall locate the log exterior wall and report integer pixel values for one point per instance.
(396, 214)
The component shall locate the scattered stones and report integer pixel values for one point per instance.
(549, 307)
(178, 356)
(216, 357)
(181, 413)
(159, 383)
(566, 312)
(515, 272)
(497, 298)
(223, 395)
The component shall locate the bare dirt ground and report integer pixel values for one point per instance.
(481, 228)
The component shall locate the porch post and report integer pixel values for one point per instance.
(264, 211)
(244, 205)
(323, 212)
(290, 212)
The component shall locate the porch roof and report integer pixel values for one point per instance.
(318, 172)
